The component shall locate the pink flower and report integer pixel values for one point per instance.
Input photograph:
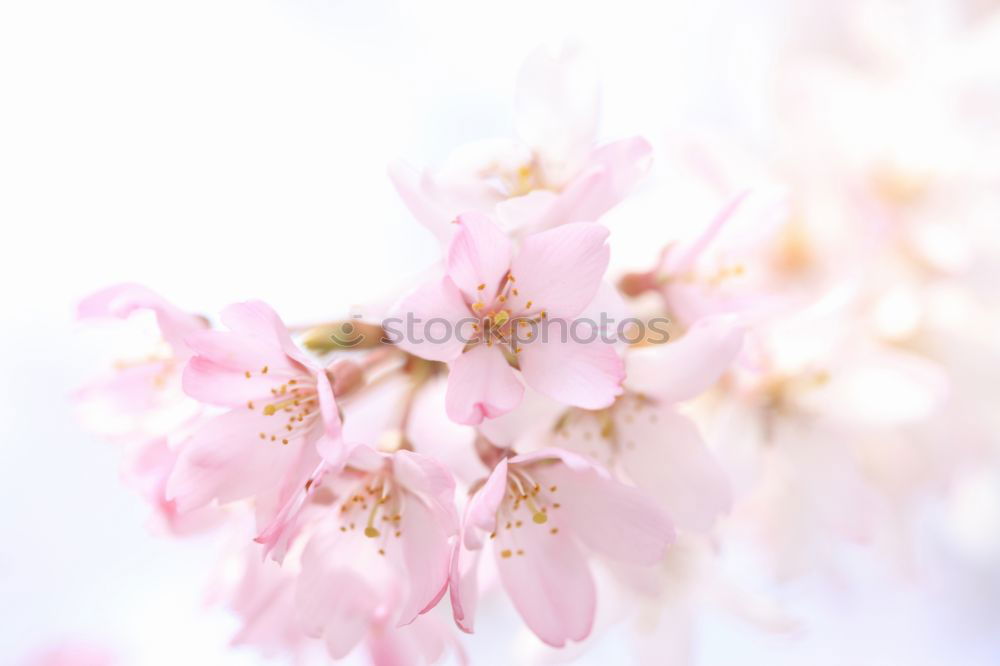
(282, 414)
(263, 596)
(379, 554)
(146, 469)
(142, 399)
(643, 436)
(492, 300)
(142, 403)
(542, 511)
(730, 267)
(553, 176)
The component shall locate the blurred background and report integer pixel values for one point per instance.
(221, 150)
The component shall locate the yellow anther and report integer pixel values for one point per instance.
(371, 532)
(247, 374)
(539, 517)
(481, 287)
(263, 370)
(505, 553)
(501, 318)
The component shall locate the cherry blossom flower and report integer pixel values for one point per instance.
(543, 511)
(142, 399)
(643, 434)
(263, 597)
(491, 299)
(142, 404)
(378, 555)
(553, 176)
(282, 413)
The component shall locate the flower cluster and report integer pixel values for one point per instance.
(378, 470)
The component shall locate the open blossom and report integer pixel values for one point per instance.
(543, 512)
(555, 174)
(378, 555)
(490, 313)
(282, 413)
(141, 399)
(645, 437)
(142, 404)
(263, 597)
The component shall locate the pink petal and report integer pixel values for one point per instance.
(608, 516)
(481, 511)
(481, 386)
(683, 369)
(333, 601)
(534, 413)
(463, 585)
(281, 515)
(226, 459)
(429, 211)
(433, 322)
(663, 453)
(479, 255)
(328, 407)
(581, 374)
(560, 270)
(433, 434)
(122, 300)
(427, 556)
(256, 320)
(612, 172)
(421, 643)
(218, 374)
(684, 257)
(529, 213)
(549, 583)
(431, 481)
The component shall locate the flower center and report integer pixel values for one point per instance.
(526, 505)
(507, 318)
(294, 400)
(376, 504)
